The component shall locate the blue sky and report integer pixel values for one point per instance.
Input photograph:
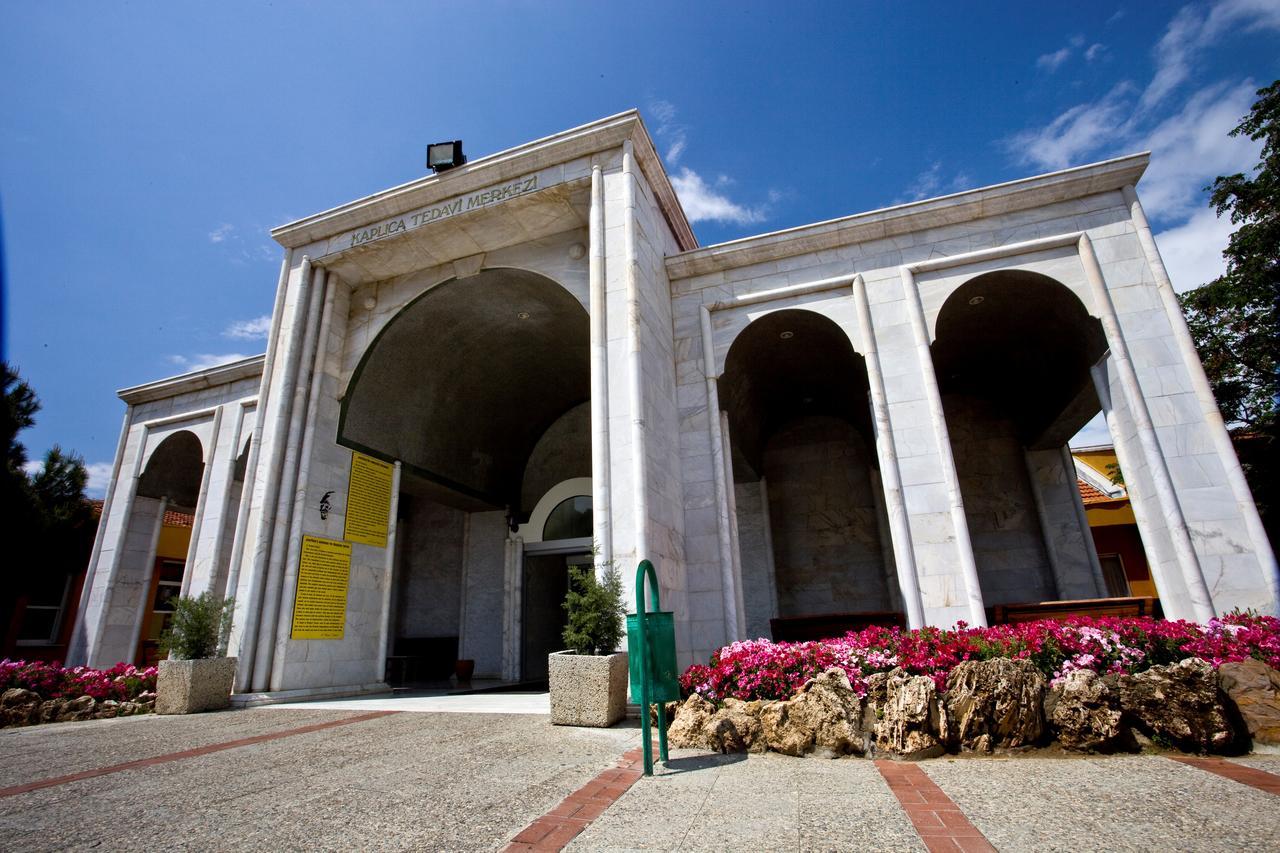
(147, 148)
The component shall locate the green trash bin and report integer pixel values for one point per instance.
(664, 678)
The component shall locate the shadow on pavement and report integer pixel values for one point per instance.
(691, 763)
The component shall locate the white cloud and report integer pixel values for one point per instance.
(1192, 252)
(1094, 51)
(204, 361)
(99, 479)
(704, 202)
(1193, 29)
(668, 131)
(930, 183)
(1052, 61)
(33, 467)
(1192, 147)
(256, 329)
(221, 233)
(1079, 130)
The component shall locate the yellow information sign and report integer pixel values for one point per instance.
(368, 501)
(320, 606)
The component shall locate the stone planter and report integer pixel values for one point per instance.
(191, 686)
(587, 690)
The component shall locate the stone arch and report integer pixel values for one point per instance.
(806, 491)
(462, 382)
(789, 362)
(404, 291)
(1012, 358)
(1014, 329)
(173, 470)
(532, 531)
(838, 309)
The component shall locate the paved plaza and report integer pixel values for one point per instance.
(376, 775)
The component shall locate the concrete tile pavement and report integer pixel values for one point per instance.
(464, 781)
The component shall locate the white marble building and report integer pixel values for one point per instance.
(862, 415)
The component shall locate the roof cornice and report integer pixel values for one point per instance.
(562, 147)
(196, 380)
(916, 216)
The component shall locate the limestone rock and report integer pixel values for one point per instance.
(686, 730)
(76, 709)
(1254, 687)
(826, 716)
(1084, 712)
(737, 727)
(1180, 704)
(19, 707)
(906, 715)
(107, 709)
(699, 724)
(996, 702)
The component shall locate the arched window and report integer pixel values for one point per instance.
(571, 519)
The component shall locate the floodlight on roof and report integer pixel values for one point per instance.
(442, 156)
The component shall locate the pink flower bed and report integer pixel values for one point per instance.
(53, 681)
(760, 669)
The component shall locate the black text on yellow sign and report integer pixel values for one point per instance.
(368, 501)
(320, 605)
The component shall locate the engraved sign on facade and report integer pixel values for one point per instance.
(320, 606)
(434, 213)
(368, 501)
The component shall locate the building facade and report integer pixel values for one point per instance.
(483, 376)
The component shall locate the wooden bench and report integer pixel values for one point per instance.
(823, 626)
(1008, 614)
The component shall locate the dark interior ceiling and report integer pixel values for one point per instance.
(770, 380)
(174, 470)
(1022, 340)
(461, 384)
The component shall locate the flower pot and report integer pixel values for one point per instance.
(191, 686)
(587, 690)
(464, 669)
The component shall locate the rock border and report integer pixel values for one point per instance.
(20, 707)
(998, 705)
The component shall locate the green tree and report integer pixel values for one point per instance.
(595, 610)
(1235, 319)
(48, 525)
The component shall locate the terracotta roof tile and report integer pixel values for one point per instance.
(174, 518)
(1091, 495)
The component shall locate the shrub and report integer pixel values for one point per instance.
(595, 610)
(199, 629)
(760, 669)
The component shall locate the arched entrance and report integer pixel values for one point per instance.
(166, 501)
(1012, 356)
(479, 388)
(806, 488)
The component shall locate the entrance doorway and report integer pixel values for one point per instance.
(546, 580)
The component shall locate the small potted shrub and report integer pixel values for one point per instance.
(196, 676)
(588, 681)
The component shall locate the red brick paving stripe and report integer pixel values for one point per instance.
(14, 790)
(575, 813)
(1251, 776)
(939, 822)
